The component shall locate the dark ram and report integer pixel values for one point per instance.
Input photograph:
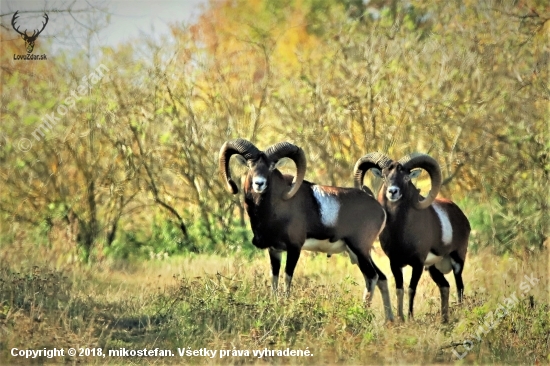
(290, 214)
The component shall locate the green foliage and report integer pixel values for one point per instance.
(464, 81)
(126, 246)
(165, 239)
(210, 237)
(507, 224)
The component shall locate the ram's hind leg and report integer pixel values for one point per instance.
(367, 268)
(383, 286)
(443, 285)
(372, 275)
(458, 265)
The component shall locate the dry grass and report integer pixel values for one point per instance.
(47, 300)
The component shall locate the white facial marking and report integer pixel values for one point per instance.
(432, 259)
(329, 206)
(446, 228)
(258, 184)
(393, 193)
(324, 246)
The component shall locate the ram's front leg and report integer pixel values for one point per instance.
(398, 275)
(292, 256)
(275, 258)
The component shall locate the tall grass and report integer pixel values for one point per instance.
(223, 302)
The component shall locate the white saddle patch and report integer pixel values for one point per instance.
(446, 228)
(324, 246)
(432, 259)
(329, 206)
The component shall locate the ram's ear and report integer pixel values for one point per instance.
(377, 172)
(240, 159)
(282, 162)
(415, 173)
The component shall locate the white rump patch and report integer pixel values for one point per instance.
(324, 246)
(446, 228)
(329, 206)
(431, 259)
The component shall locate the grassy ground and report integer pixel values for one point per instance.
(223, 303)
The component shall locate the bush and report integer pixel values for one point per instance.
(164, 239)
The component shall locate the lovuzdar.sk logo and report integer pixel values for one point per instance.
(29, 39)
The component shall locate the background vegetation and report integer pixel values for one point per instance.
(129, 176)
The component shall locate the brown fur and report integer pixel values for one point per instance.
(411, 234)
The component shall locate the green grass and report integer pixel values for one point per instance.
(224, 303)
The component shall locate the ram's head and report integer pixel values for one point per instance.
(261, 164)
(397, 176)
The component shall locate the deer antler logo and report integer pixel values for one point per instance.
(29, 40)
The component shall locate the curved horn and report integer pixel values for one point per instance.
(429, 164)
(288, 150)
(367, 162)
(229, 148)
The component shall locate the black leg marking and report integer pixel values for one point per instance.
(438, 277)
(458, 266)
(416, 274)
(292, 257)
(398, 275)
(275, 259)
(371, 277)
(383, 286)
(443, 285)
(368, 270)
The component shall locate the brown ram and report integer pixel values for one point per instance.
(420, 232)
